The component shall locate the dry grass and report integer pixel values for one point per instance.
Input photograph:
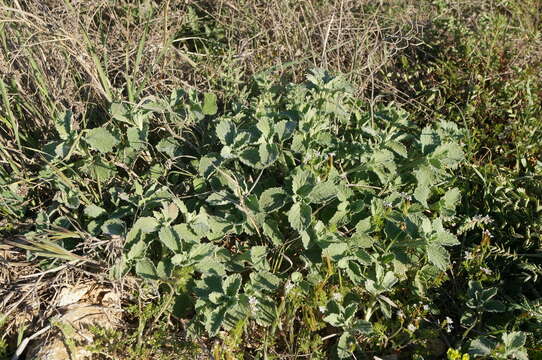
(59, 56)
(33, 295)
(55, 55)
(356, 38)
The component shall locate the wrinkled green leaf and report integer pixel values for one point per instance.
(146, 224)
(300, 216)
(226, 132)
(285, 129)
(322, 192)
(63, 125)
(209, 104)
(169, 238)
(145, 268)
(101, 139)
(272, 199)
(232, 284)
(438, 256)
(94, 211)
(481, 346)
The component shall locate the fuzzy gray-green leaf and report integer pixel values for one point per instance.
(300, 216)
(101, 139)
(146, 224)
(209, 104)
(168, 237)
(322, 192)
(63, 125)
(226, 132)
(285, 129)
(438, 256)
(272, 199)
(146, 269)
(94, 211)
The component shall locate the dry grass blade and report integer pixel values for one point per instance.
(44, 245)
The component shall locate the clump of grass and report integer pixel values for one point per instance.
(59, 56)
(351, 37)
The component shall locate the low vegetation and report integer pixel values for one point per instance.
(333, 179)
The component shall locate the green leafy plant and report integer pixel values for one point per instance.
(301, 175)
(345, 318)
(270, 218)
(297, 200)
(511, 346)
(480, 301)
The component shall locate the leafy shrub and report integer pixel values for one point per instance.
(296, 211)
(300, 188)
(286, 219)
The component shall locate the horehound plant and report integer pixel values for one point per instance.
(298, 209)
